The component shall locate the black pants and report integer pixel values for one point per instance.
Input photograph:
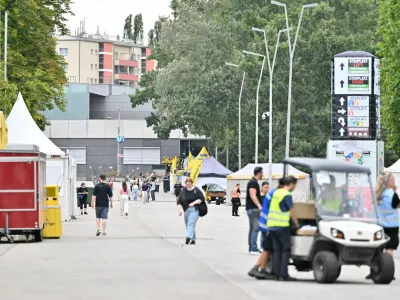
(157, 188)
(83, 203)
(281, 245)
(153, 195)
(235, 206)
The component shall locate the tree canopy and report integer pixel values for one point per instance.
(34, 66)
(194, 91)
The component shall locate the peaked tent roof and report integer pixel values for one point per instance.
(395, 168)
(213, 168)
(277, 172)
(22, 129)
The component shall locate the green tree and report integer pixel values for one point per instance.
(138, 28)
(128, 34)
(151, 37)
(193, 89)
(389, 25)
(34, 66)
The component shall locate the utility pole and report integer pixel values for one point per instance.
(5, 43)
(119, 143)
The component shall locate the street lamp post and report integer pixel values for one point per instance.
(291, 55)
(257, 100)
(5, 43)
(271, 67)
(119, 143)
(240, 116)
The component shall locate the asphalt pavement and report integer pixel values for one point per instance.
(143, 257)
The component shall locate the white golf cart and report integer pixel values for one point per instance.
(341, 226)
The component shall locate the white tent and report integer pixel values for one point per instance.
(300, 194)
(395, 170)
(22, 129)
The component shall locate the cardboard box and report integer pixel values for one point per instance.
(305, 211)
(306, 232)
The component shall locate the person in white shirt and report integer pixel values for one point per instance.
(124, 199)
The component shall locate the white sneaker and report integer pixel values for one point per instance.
(254, 253)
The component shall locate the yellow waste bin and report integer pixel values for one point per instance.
(53, 225)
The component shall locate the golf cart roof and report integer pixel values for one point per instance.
(319, 164)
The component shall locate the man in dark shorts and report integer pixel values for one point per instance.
(102, 201)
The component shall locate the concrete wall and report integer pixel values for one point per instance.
(107, 107)
(103, 129)
(101, 154)
(77, 104)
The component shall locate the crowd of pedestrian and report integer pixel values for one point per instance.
(270, 211)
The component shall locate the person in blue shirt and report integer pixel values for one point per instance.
(259, 270)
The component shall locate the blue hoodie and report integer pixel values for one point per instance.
(262, 221)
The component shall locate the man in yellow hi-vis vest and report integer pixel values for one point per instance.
(278, 223)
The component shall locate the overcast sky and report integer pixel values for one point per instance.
(110, 14)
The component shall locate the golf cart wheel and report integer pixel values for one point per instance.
(325, 266)
(10, 240)
(385, 273)
(338, 272)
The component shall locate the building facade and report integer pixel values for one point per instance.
(89, 128)
(93, 59)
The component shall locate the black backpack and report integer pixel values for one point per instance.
(202, 207)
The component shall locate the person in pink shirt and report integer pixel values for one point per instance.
(124, 199)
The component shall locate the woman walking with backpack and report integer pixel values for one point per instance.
(191, 204)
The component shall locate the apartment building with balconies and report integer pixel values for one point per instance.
(95, 59)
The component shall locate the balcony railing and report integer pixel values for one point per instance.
(126, 63)
(106, 80)
(127, 77)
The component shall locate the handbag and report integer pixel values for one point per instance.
(202, 207)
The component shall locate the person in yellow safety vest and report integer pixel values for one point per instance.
(331, 198)
(278, 223)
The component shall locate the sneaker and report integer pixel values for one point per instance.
(263, 275)
(187, 241)
(254, 252)
(252, 272)
(288, 278)
(192, 243)
(98, 232)
(85, 213)
(126, 214)
(104, 234)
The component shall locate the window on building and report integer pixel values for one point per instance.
(91, 80)
(63, 51)
(123, 69)
(95, 81)
(91, 51)
(91, 66)
(142, 156)
(65, 66)
(78, 154)
(95, 52)
(116, 69)
(95, 66)
(116, 55)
